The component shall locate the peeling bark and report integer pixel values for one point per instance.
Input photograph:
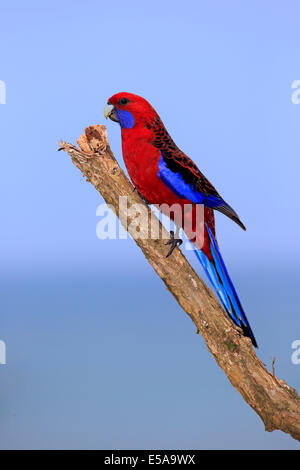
(277, 404)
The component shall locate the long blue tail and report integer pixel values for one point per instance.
(218, 275)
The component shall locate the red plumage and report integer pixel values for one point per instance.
(166, 177)
(141, 157)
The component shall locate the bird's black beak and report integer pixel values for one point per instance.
(110, 112)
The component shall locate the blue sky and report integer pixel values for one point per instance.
(220, 75)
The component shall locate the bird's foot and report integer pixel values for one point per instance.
(173, 242)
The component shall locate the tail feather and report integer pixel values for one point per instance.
(216, 283)
(218, 275)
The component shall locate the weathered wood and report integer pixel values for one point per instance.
(277, 404)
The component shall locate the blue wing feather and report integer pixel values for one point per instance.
(186, 189)
(177, 184)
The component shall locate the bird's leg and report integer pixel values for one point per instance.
(174, 241)
(142, 197)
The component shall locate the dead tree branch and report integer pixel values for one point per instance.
(277, 404)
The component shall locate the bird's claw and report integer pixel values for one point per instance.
(173, 242)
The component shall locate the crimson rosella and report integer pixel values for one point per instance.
(164, 176)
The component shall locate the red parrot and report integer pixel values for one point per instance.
(164, 176)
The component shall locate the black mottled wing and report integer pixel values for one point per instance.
(180, 163)
(177, 161)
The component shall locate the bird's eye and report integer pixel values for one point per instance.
(123, 101)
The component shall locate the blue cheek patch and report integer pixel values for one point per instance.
(125, 118)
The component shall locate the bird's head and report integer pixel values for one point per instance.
(129, 110)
